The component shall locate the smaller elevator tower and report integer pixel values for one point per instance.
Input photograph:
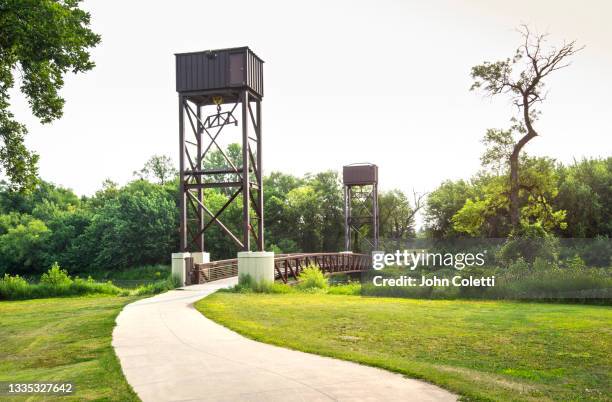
(360, 205)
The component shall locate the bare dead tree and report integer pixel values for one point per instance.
(522, 78)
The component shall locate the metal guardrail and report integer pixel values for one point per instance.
(211, 271)
(287, 266)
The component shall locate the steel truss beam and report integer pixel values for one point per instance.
(360, 210)
(196, 140)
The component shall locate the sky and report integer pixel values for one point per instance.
(383, 81)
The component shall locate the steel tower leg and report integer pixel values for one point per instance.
(200, 217)
(260, 194)
(246, 217)
(182, 194)
(375, 214)
(347, 218)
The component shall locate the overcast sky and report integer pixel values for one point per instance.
(345, 81)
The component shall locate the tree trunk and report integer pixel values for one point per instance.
(514, 189)
(515, 216)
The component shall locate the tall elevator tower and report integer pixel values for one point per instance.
(220, 91)
(360, 205)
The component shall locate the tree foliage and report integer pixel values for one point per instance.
(522, 78)
(397, 215)
(566, 201)
(585, 192)
(136, 224)
(158, 168)
(443, 203)
(40, 42)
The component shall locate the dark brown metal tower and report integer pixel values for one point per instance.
(207, 83)
(360, 203)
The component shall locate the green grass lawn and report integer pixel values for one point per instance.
(64, 339)
(483, 350)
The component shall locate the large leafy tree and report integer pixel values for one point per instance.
(137, 226)
(522, 77)
(305, 214)
(485, 212)
(276, 187)
(442, 204)
(585, 192)
(330, 201)
(397, 215)
(40, 42)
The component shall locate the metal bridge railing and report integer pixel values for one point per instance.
(287, 266)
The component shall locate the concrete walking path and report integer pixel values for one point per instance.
(171, 352)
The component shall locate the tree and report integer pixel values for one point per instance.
(397, 215)
(43, 192)
(442, 204)
(276, 187)
(330, 201)
(40, 41)
(135, 227)
(522, 77)
(485, 212)
(21, 240)
(216, 159)
(305, 217)
(585, 192)
(159, 168)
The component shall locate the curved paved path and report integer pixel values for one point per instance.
(171, 352)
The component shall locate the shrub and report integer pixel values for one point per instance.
(56, 276)
(532, 242)
(312, 278)
(13, 287)
(575, 263)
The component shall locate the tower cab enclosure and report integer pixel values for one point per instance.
(359, 174)
(219, 70)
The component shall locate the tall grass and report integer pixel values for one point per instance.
(17, 288)
(156, 287)
(57, 283)
(139, 273)
(570, 282)
(246, 284)
(310, 280)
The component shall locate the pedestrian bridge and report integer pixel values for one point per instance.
(287, 267)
